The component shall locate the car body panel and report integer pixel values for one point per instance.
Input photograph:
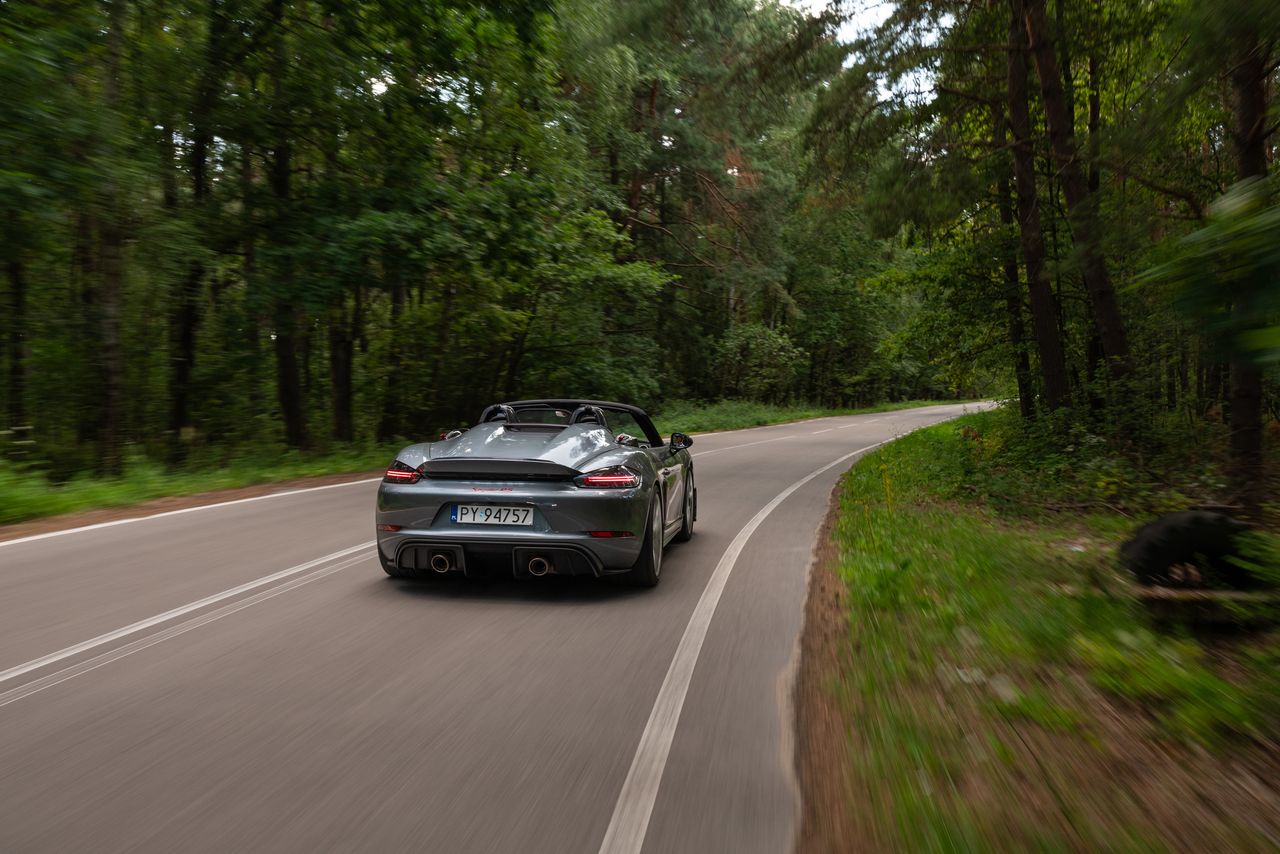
(533, 465)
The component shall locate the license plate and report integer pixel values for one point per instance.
(489, 514)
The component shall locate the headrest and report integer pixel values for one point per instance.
(498, 412)
(587, 415)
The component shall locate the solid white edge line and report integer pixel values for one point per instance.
(68, 673)
(53, 657)
(95, 527)
(631, 813)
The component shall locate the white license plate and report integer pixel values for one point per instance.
(489, 514)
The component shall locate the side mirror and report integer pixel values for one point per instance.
(679, 441)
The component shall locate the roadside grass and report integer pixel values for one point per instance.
(1002, 687)
(26, 494)
(689, 416)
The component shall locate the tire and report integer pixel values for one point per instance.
(648, 567)
(690, 510)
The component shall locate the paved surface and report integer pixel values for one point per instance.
(273, 690)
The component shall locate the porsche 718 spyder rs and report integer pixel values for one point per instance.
(538, 487)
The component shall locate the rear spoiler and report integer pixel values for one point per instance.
(497, 469)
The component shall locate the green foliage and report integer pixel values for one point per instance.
(1224, 275)
(1258, 552)
(1170, 677)
(756, 362)
(970, 627)
(356, 222)
(1073, 464)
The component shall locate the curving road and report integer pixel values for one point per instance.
(243, 677)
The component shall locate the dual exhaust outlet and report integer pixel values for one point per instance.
(538, 566)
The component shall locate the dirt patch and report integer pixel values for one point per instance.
(81, 518)
(987, 779)
(822, 743)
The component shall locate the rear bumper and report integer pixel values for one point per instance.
(563, 517)
(493, 556)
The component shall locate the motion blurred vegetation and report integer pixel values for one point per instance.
(1000, 682)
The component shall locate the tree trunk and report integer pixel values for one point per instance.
(182, 349)
(16, 392)
(444, 329)
(1064, 60)
(111, 295)
(341, 357)
(288, 384)
(288, 381)
(1044, 312)
(1095, 120)
(185, 310)
(1012, 287)
(391, 423)
(84, 294)
(1249, 86)
(645, 105)
(1013, 310)
(1080, 202)
(111, 265)
(252, 309)
(288, 377)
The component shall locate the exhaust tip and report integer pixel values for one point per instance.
(539, 566)
(441, 563)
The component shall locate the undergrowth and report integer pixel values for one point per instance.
(983, 599)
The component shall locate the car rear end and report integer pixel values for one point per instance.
(526, 518)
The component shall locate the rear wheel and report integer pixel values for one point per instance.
(648, 567)
(690, 510)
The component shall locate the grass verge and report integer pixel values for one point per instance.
(999, 688)
(26, 495)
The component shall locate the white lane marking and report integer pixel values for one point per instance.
(860, 423)
(18, 693)
(53, 657)
(34, 537)
(630, 821)
(828, 430)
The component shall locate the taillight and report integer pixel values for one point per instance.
(399, 472)
(617, 477)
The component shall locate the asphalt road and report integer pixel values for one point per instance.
(244, 677)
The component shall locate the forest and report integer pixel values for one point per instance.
(311, 223)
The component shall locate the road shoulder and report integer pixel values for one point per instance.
(821, 743)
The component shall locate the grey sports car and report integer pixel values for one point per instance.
(539, 487)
